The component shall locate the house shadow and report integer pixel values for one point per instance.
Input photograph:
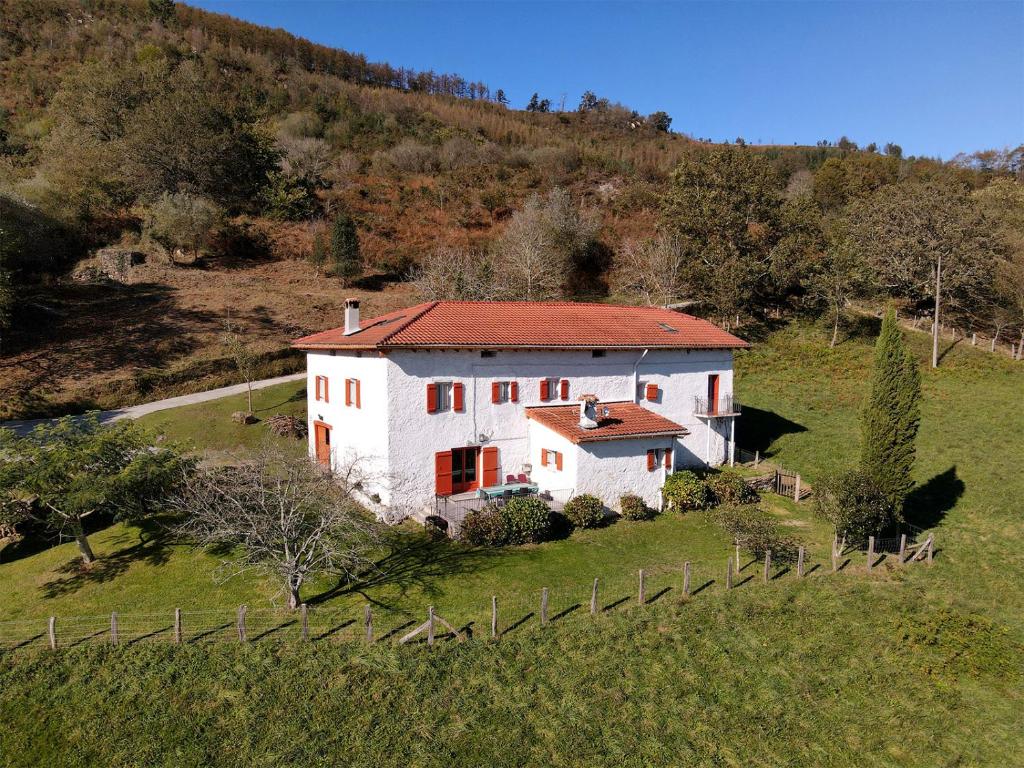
(759, 429)
(412, 561)
(928, 503)
(152, 548)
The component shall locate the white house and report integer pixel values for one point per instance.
(452, 397)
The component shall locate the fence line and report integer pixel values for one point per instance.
(493, 617)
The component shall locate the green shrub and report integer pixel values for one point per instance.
(757, 532)
(855, 504)
(527, 520)
(687, 490)
(585, 511)
(484, 528)
(632, 507)
(730, 488)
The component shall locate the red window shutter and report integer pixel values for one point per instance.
(668, 458)
(652, 391)
(348, 391)
(513, 391)
(495, 392)
(458, 397)
(358, 403)
(432, 402)
(558, 461)
(652, 461)
(443, 473)
(545, 389)
(543, 457)
(565, 389)
(327, 393)
(316, 386)
(490, 466)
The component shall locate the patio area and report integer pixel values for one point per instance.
(454, 509)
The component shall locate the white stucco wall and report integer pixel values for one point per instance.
(561, 482)
(394, 428)
(357, 434)
(613, 468)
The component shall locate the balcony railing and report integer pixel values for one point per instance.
(723, 406)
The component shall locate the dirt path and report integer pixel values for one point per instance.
(135, 411)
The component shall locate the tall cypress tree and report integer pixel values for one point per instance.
(891, 415)
(345, 260)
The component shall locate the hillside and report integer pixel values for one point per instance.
(114, 115)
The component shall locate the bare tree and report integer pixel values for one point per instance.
(650, 271)
(282, 516)
(243, 355)
(456, 274)
(545, 244)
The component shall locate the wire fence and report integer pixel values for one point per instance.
(491, 616)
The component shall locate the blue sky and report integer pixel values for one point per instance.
(935, 77)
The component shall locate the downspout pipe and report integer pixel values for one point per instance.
(636, 376)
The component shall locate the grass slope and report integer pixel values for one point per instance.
(918, 667)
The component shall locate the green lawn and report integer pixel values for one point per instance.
(918, 666)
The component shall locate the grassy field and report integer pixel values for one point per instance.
(917, 667)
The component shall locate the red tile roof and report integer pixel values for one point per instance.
(623, 422)
(527, 324)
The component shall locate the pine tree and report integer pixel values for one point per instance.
(533, 104)
(891, 417)
(345, 260)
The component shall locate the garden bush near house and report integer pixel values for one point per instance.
(756, 532)
(730, 488)
(855, 504)
(632, 507)
(687, 491)
(527, 520)
(484, 528)
(584, 511)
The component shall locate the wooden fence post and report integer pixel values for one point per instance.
(430, 625)
(113, 628)
(641, 594)
(304, 620)
(931, 548)
(686, 579)
(241, 623)
(728, 574)
(368, 622)
(903, 547)
(796, 489)
(871, 551)
(974, 339)
(767, 564)
(494, 616)
(51, 630)
(593, 600)
(544, 607)
(737, 558)
(800, 562)
(177, 626)
(757, 458)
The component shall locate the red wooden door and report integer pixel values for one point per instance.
(322, 434)
(713, 394)
(490, 467)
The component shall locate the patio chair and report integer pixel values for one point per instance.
(524, 492)
(510, 478)
(506, 495)
(522, 478)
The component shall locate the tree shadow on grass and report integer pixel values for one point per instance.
(413, 561)
(153, 548)
(929, 502)
(298, 396)
(759, 429)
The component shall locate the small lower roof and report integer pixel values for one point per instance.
(624, 421)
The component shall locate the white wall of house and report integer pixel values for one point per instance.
(611, 468)
(398, 437)
(357, 434)
(549, 478)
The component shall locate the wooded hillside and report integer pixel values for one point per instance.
(242, 174)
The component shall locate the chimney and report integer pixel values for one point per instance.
(351, 316)
(588, 411)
